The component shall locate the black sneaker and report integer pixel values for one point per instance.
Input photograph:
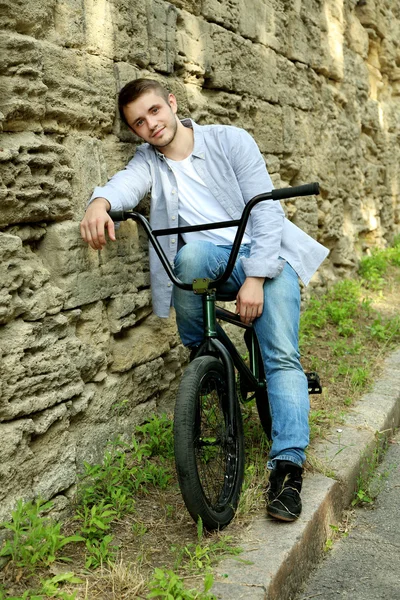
(283, 491)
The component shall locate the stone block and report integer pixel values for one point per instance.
(301, 34)
(293, 84)
(223, 12)
(264, 121)
(261, 22)
(254, 71)
(223, 56)
(192, 6)
(105, 28)
(140, 345)
(87, 275)
(213, 106)
(35, 466)
(43, 364)
(80, 90)
(372, 16)
(127, 310)
(23, 93)
(25, 288)
(194, 45)
(36, 176)
(357, 36)
(55, 88)
(88, 169)
(162, 34)
(241, 66)
(35, 18)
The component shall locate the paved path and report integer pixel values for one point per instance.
(366, 564)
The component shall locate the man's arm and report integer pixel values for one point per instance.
(123, 190)
(266, 221)
(95, 222)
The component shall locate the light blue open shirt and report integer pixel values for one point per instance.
(230, 164)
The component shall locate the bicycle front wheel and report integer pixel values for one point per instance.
(209, 458)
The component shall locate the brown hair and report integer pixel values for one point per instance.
(134, 89)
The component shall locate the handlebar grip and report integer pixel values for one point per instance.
(309, 189)
(117, 215)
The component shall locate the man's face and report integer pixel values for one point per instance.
(153, 119)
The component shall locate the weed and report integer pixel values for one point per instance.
(367, 488)
(321, 419)
(122, 474)
(166, 584)
(36, 540)
(385, 330)
(99, 552)
(138, 528)
(337, 307)
(337, 531)
(157, 434)
(201, 556)
(360, 376)
(95, 520)
(50, 587)
(373, 268)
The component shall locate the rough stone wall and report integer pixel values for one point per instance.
(317, 82)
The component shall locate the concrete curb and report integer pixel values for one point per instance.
(278, 557)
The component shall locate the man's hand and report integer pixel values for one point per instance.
(250, 299)
(95, 222)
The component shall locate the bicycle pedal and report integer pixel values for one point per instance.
(314, 383)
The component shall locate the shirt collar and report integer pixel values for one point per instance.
(199, 145)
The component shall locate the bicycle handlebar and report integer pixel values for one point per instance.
(308, 189)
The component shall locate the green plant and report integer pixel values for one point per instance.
(95, 520)
(138, 528)
(373, 268)
(157, 434)
(201, 556)
(50, 587)
(99, 552)
(385, 330)
(361, 497)
(360, 376)
(367, 490)
(36, 540)
(125, 470)
(166, 584)
(336, 532)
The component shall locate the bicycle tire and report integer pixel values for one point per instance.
(209, 462)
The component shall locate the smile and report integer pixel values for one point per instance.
(158, 132)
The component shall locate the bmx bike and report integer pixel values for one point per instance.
(208, 430)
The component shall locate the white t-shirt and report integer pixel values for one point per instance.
(197, 205)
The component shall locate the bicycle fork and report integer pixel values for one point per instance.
(210, 340)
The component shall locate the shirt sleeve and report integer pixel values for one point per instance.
(267, 217)
(127, 187)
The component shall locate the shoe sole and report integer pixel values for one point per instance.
(281, 516)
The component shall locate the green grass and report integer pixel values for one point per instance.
(373, 268)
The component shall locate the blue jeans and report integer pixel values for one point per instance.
(277, 331)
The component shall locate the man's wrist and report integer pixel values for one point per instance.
(101, 202)
(259, 280)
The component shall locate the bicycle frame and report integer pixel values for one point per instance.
(214, 336)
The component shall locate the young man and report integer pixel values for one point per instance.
(199, 174)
